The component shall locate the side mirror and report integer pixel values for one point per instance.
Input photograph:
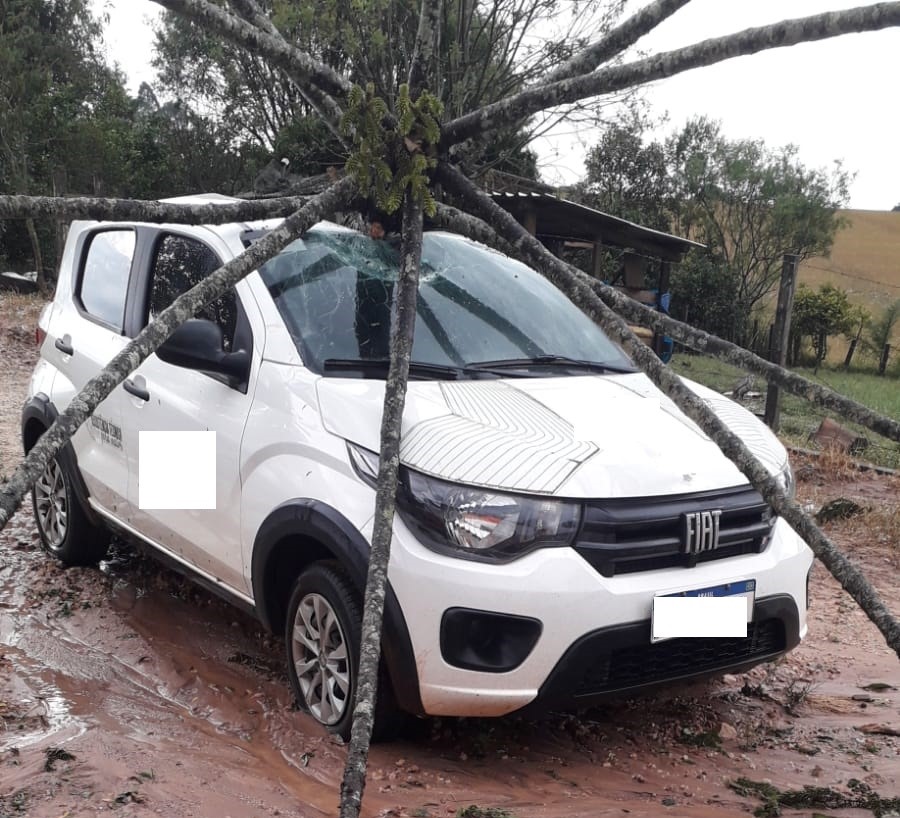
(197, 344)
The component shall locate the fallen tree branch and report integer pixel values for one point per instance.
(186, 305)
(318, 79)
(403, 327)
(616, 41)
(325, 105)
(738, 356)
(458, 221)
(582, 295)
(84, 207)
(708, 52)
(354, 780)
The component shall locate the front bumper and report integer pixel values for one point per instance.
(621, 658)
(595, 631)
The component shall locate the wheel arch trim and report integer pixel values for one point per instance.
(304, 518)
(39, 408)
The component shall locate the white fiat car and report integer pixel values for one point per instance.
(549, 493)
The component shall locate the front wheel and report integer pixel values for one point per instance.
(322, 639)
(64, 529)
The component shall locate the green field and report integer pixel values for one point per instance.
(799, 418)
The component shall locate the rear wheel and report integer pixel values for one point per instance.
(64, 529)
(322, 639)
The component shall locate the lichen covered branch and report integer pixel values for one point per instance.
(708, 52)
(99, 209)
(318, 79)
(616, 40)
(354, 781)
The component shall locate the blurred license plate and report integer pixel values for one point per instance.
(720, 610)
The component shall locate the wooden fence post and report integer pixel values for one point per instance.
(781, 332)
(885, 354)
(849, 358)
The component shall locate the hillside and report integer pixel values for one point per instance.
(865, 259)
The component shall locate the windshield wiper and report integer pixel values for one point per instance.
(378, 368)
(552, 361)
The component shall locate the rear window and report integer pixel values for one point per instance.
(104, 276)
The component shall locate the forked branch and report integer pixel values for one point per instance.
(708, 52)
(617, 40)
(323, 104)
(317, 78)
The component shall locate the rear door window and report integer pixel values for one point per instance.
(104, 276)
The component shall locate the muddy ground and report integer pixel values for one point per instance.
(127, 690)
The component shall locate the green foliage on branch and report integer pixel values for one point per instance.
(388, 162)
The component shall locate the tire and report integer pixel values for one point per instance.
(323, 667)
(64, 529)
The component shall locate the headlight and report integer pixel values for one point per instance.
(482, 524)
(365, 463)
(786, 483)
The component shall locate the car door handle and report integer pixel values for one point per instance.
(63, 347)
(132, 389)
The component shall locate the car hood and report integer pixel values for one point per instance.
(576, 436)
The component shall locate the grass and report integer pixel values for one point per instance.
(858, 795)
(800, 418)
(474, 811)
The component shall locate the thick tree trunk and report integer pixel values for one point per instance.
(403, 325)
(581, 293)
(182, 308)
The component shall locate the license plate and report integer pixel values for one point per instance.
(716, 611)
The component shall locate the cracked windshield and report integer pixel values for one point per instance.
(475, 306)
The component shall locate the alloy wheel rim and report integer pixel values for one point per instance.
(51, 505)
(321, 659)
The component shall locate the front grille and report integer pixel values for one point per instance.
(644, 534)
(676, 658)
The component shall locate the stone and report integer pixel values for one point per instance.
(727, 732)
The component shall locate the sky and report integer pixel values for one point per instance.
(834, 100)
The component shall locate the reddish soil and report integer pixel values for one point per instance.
(128, 689)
